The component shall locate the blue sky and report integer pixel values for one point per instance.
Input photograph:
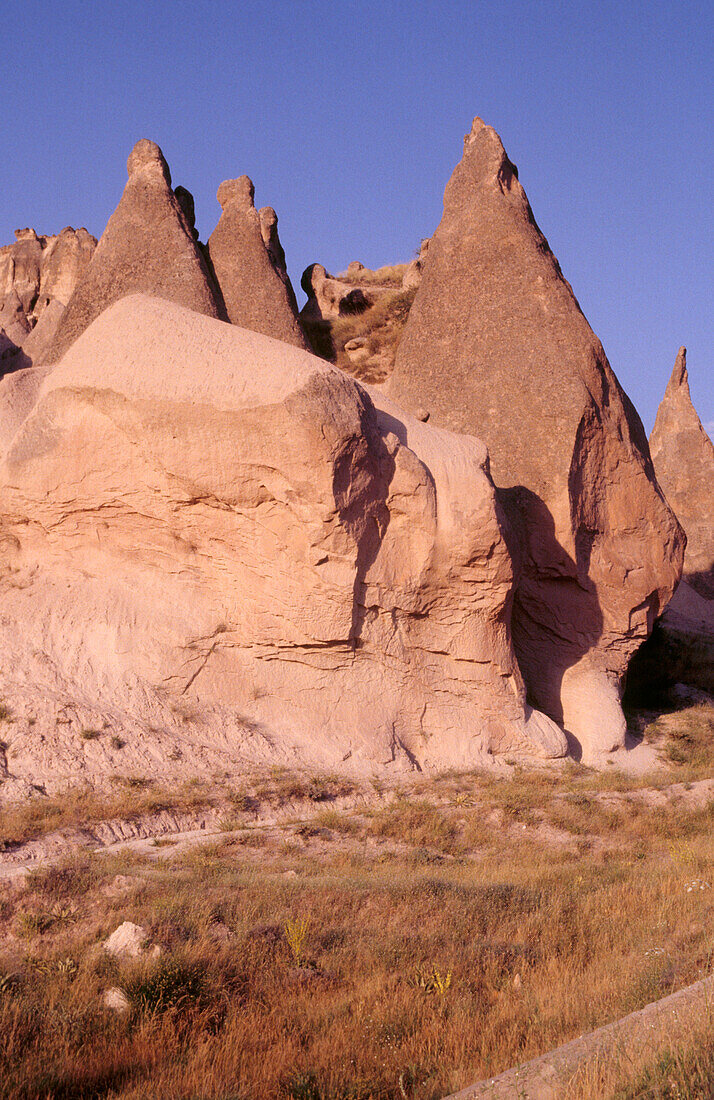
(349, 118)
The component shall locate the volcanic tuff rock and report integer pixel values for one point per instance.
(249, 269)
(271, 240)
(185, 201)
(329, 298)
(683, 457)
(330, 576)
(148, 245)
(413, 274)
(497, 345)
(38, 275)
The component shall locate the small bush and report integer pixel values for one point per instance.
(168, 983)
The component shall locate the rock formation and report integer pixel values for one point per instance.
(355, 319)
(276, 252)
(249, 269)
(38, 275)
(330, 577)
(330, 297)
(185, 201)
(496, 345)
(683, 457)
(65, 258)
(412, 276)
(677, 661)
(148, 246)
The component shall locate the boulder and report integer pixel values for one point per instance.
(249, 265)
(148, 246)
(496, 345)
(683, 457)
(331, 576)
(129, 940)
(116, 1000)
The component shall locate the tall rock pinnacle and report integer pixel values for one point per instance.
(249, 266)
(148, 246)
(496, 346)
(683, 457)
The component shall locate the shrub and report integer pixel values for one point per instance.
(168, 983)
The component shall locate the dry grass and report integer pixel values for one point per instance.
(682, 1070)
(442, 939)
(131, 798)
(380, 327)
(389, 275)
(401, 948)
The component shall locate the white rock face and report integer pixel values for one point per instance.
(226, 549)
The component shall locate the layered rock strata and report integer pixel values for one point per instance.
(248, 263)
(148, 246)
(225, 549)
(683, 457)
(497, 346)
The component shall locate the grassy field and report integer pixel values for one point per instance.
(402, 948)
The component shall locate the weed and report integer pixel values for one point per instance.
(296, 935)
(90, 734)
(32, 924)
(432, 980)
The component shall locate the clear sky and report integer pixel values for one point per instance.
(349, 117)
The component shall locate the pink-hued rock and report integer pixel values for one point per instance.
(248, 262)
(148, 246)
(215, 540)
(683, 457)
(496, 345)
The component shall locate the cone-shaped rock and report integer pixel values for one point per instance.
(147, 246)
(251, 272)
(683, 456)
(496, 345)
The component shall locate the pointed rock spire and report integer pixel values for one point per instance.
(683, 457)
(148, 245)
(249, 266)
(496, 346)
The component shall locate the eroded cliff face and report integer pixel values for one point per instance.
(225, 548)
(38, 275)
(683, 457)
(496, 345)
